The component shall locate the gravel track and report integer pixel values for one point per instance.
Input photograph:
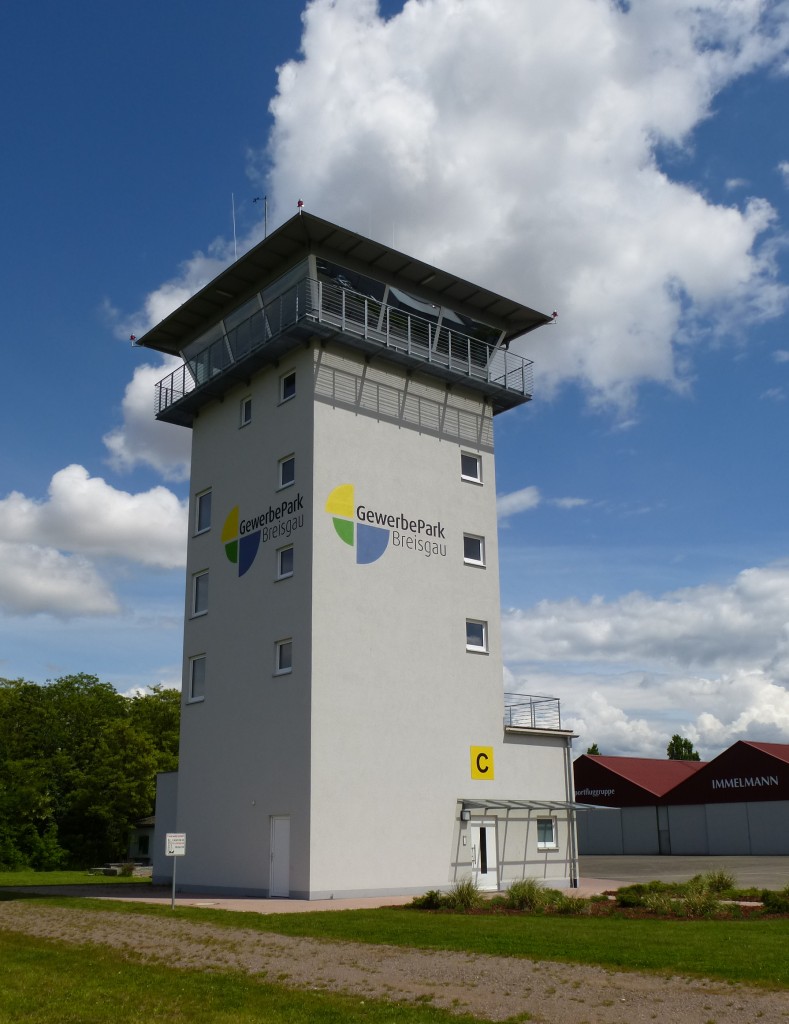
(492, 988)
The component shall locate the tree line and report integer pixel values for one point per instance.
(78, 764)
(679, 749)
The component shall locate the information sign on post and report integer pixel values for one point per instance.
(174, 846)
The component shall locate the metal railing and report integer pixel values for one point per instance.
(446, 352)
(523, 711)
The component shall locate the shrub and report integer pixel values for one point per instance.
(526, 894)
(464, 895)
(720, 881)
(661, 903)
(776, 902)
(431, 900)
(562, 903)
(701, 902)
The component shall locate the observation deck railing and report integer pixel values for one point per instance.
(365, 321)
(523, 711)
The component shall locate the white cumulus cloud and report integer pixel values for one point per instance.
(523, 500)
(516, 144)
(142, 439)
(711, 662)
(38, 580)
(86, 516)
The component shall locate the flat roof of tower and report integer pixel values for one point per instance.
(305, 233)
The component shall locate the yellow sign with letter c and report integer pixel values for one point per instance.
(482, 763)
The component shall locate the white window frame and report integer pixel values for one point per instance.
(283, 651)
(478, 648)
(202, 575)
(467, 558)
(553, 843)
(282, 483)
(477, 477)
(282, 383)
(199, 498)
(280, 552)
(194, 698)
(245, 411)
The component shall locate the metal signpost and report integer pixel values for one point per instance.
(175, 846)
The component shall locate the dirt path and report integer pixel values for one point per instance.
(493, 988)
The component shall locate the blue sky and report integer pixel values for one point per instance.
(625, 164)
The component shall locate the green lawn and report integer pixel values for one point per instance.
(42, 982)
(751, 951)
(30, 877)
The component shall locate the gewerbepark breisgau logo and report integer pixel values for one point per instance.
(242, 537)
(370, 531)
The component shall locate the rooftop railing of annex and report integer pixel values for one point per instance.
(438, 346)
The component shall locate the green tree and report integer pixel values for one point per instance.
(78, 764)
(681, 749)
(594, 749)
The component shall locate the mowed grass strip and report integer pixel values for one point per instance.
(43, 981)
(748, 951)
(29, 877)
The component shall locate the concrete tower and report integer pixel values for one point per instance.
(344, 730)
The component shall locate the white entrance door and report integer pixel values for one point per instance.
(484, 862)
(279, 882)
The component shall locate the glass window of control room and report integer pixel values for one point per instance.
(471, 467)
(203, 512)
(473, 549)
(476, 635)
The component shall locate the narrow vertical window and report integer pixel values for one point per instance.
(287, 471)
(283, 657)
(200, 593)
(471, 467)
(203, 512)
(246, 411)
(285, 562)
(476, 635)
(287, 386)
(197, 678)
(473, 549)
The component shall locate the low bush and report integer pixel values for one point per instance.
(431, 900)
(464, 895)
(776, 902)
(526, 894)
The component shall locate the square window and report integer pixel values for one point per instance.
(471, 467)
(546, 834)
(287, 386)
(203, 512)
(476, 635)
(246, 411)
(287, 471)
(197, 678)
(200, 593)
(283, 657)
(473, 549)
(285, 562)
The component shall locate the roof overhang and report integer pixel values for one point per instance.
(306, 234)
(476, 803)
